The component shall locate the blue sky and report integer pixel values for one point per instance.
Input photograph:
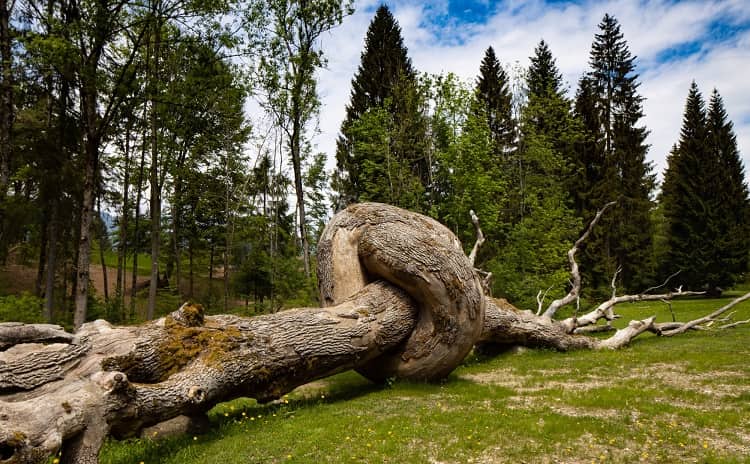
(675, 42)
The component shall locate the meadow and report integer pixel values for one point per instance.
(681, 399)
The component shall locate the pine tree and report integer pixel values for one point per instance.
(733, 200)
(544, 77)
(705, 199)
(385, 81)
(614, 162)
(494, 101)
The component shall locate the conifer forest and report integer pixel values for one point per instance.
(127, 150)
(158, 152)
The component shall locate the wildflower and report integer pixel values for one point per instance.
(57, 461)
(705, 444)
(195, 438)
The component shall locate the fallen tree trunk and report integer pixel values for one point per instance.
(401, 299)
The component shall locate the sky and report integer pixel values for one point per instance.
(675, 42)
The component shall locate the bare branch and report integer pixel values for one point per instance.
(735, 324)
(664, 284)
(574, 273)
(480, 237)
(540, 301)
(605, 309)
(709, 318)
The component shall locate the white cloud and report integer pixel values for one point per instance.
(651, 27)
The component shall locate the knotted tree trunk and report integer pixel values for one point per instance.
(401, 300)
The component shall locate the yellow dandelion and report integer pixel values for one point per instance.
(57, 461)
(705, 444)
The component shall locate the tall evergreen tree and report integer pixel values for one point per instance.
(544, 77)
(385, 81)
(494, 101)
(705, 199)
(613, 162)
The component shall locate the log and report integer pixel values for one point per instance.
(400, 299)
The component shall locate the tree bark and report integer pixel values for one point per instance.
(122, 249)
(49, 287)
(401, 300)
(154, 172)
(6, 97)
(87, 207)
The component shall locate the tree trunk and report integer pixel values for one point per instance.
(87, 207)
(49, 288)
(211, 275)
(44, 236)
(300, 193)
(402, 300)
(122, 249)
(190, 271)
(102, 243)
(136, 231)
(6, 97)
(176, 232)
(154, 177)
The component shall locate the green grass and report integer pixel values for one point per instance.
(110, 259)
(682, 399)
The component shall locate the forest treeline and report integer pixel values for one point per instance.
(136, 111)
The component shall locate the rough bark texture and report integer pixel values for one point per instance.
(401, 300)
(372, 240)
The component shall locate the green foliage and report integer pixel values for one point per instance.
(705, 200)
(24, 307)
(385, 82)
(612, 164)
(534, 256)
(494, 102)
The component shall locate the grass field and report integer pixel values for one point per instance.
(682, 399)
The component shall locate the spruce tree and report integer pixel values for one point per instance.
(385, 83)
(613, 163)
(705, 199)
(733, 201)
(494, 101)
(544, 77)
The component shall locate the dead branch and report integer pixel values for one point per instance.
(480, 238)
(682, 328)
(575, 275)
(605, 310)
